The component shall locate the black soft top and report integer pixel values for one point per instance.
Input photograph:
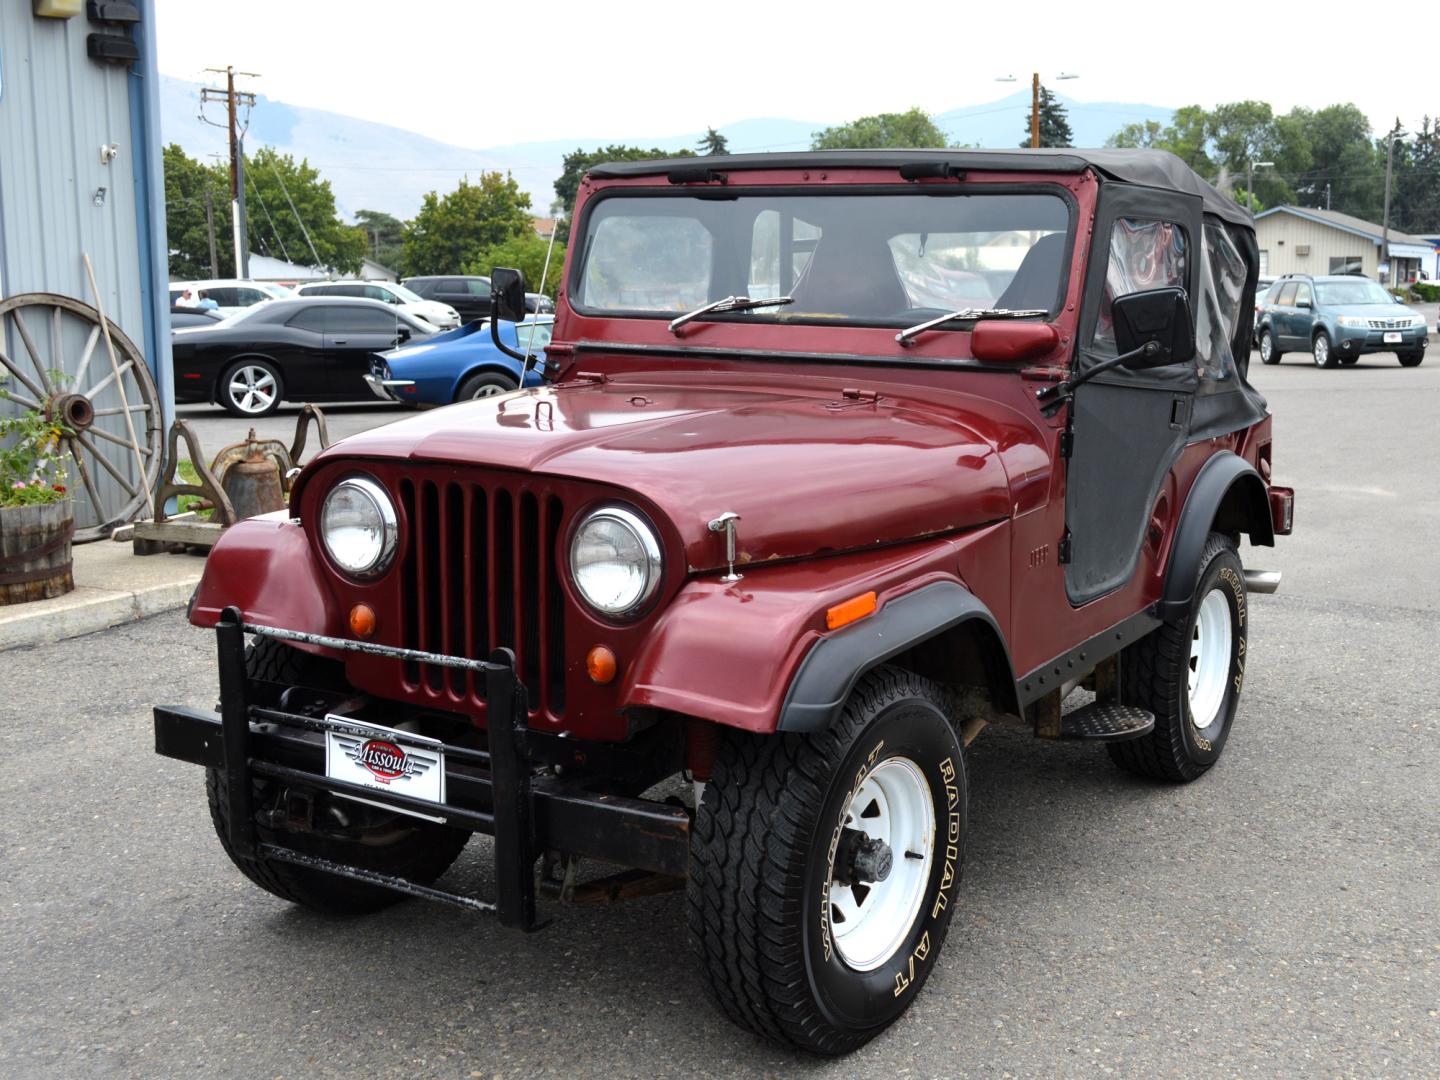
(1152, 168)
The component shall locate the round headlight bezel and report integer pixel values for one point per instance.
(375, 492)
(649, 540)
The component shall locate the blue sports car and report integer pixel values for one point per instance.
(460, 364)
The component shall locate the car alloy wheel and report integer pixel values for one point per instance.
(1321, 350)
(1267, 347)
(252, 389)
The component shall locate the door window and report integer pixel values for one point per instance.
(478, 287)
(312, 319)
(375, 292)
(451, 285)
(1287, 295)
(222, 295)
(1144, 255)
(1303, 295)
(360, 320)
(534, 336)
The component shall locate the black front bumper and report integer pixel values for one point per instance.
(495, 791)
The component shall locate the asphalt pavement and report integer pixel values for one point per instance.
(1276, 918)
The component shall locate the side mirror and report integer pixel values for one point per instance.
(402, 334)
(507, 294)
(1158, 315)
(1304, 304)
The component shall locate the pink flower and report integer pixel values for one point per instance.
(18, 484)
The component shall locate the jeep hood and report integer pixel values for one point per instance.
(808, 470)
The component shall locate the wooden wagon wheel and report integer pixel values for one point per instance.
(53, 352)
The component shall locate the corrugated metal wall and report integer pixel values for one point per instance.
(57, 108)
(59, 200)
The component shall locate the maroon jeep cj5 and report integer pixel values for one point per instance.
(846, 456)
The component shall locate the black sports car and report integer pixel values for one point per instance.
(313, 349)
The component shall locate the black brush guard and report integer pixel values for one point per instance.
(494, 792)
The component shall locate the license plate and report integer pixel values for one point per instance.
(1393, 337)
(399, 762)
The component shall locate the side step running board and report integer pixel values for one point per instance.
(1262, 581)
(1105, 721)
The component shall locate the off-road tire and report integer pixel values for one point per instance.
(1411, 359)
(419, 851)
(1322, 350)
(762, 860)
(1154, 676)
(1275, 353)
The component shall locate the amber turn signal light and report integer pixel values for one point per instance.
(362, 620)
(857, 607)
(600, 663)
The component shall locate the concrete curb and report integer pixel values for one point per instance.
(112, 587)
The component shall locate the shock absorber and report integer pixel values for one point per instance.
(702, 743)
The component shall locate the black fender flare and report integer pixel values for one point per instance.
(830, 670)
(1228, 485)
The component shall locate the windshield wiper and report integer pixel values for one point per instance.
(905, 336)
(730, 303)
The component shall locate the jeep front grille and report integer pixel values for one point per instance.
(479, 573)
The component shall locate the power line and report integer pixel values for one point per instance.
(303, 231)
(273, 230)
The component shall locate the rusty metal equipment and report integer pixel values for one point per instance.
(244, 479)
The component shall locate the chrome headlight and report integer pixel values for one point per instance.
(358, 528)
(615, 561)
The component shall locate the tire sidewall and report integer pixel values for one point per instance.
(1223, 573)
(854, 1000)
(1267, 347)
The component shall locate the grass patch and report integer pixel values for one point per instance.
(187, 475)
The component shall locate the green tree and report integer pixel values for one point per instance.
(451, 231)
(187, 183)
(1185, 136)
(525, 253)
(385, 237)
(580, 161)
(906, 130)
(292, 214)
(1415, 197)
(1054, 123)
(712, 142)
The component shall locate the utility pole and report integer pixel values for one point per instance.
(1250, 166)
(1388, 274)
(210, 231)
(1035, 111)
(233, 100)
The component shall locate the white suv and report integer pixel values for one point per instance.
(436, 314)
(231, 295)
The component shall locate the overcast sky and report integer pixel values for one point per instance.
(477, 73)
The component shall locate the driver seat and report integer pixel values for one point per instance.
(849, 276)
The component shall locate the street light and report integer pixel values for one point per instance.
(1035, 101)
(1250, 166)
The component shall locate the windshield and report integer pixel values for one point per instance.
(867, 259)
(1359, 291)
(404, 293)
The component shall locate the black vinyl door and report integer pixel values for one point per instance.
(1128, 428)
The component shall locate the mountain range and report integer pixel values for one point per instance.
(374, 166)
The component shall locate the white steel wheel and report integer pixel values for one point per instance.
(893, 807)
(251, 389)
(54, 360)
(1211, 643)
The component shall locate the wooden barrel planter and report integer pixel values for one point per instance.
(35, 551)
